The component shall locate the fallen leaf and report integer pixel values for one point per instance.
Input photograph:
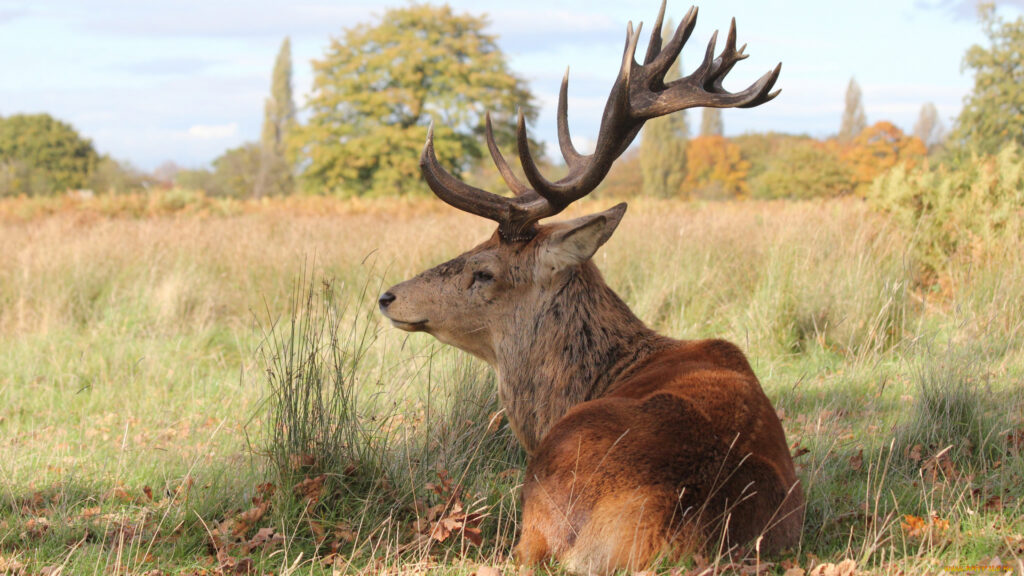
(844, 568)
(857, 460)
(494, 421)
(311, 488)
(11, 566)
(794, 572)
(487, 571)
(799, 450)
(300, 461)
(247, 520)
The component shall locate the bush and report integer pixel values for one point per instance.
(965, 211)
(803, 168)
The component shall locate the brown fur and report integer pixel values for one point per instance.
(641, 446)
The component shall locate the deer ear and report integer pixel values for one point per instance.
(573, 242)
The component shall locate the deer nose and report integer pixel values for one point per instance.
(386, 299)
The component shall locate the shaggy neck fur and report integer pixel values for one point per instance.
(571, 350)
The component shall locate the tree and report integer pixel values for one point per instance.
(663, 145)
(275, 172)
(993, 112)
(380, 86)
(879, 148)
(711, 122)
(234, 173)
(41, 155)
(854, 120)
(929, 128)
(113, 177)
(802, 168)
(715, 168)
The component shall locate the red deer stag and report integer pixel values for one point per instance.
(641, 447)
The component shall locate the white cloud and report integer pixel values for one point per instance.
(213, 131)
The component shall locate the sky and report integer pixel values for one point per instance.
(184, 80)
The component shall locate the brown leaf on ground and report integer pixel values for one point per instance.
(120, 494)
(263, 493)
(844, 568)
(494, 421)
(89, 512)
(918, 528)
(799, 450)
(11, 566)
(914, 453)
(53, 570)
(487, 571)
(266, 538)
(36, 527)
(993, 504)
(1015, 544)
(301, 461)
(940, 468)
(504, 474)
(794, 572)
(247, 520)
(857, 460)
(311, 489)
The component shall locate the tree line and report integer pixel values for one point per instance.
(378, 86)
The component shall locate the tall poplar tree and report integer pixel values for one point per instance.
(275, 172)
(663, 145)
(854, 119)
(929, 128)
(711, 122)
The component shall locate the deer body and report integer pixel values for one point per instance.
(642, 447)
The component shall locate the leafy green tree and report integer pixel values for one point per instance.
(379, 86)
(800, 168)
(929, 128)
(113, 177)
(993, 112)
(854, 119)
(41, 155)
(234, 173)
(275, 172)
(711, 122)
(663, 145)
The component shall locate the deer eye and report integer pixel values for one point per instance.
(482, 276)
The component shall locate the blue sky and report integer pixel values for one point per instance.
(183, 80)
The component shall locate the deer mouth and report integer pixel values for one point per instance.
(417, 326)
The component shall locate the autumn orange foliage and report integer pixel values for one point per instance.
(879, 148)
(715, 168)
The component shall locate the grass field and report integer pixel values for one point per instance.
(205, 387)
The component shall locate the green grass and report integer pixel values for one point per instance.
(171, 386)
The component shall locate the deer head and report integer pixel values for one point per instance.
(504, 300)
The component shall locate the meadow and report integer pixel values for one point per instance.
(203, 386)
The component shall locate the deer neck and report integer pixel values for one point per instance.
(583, 340)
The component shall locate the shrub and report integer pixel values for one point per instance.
(965, 211)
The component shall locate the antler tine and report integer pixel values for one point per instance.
(638, 94)
(614, 136)
(654, 46)
(659, 64)
(513, 183)
(457, 193)
(764, 86)
(572, 157)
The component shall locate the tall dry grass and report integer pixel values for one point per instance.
(129, 344)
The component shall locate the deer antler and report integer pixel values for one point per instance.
(639, 94)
